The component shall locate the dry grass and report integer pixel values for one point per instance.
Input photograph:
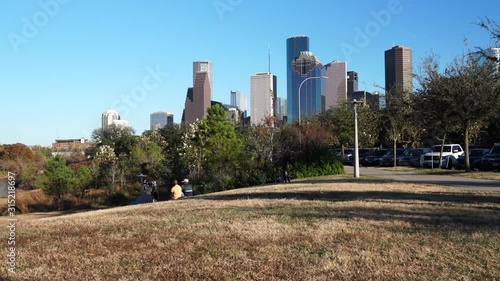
(459, 173)
(319, 229)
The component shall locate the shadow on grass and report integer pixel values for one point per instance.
(335, 196)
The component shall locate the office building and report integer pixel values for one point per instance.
(263, 93)
(352, 81)
(198, 97)
(306, 65)
(398, 70)
(239, 101)
(294, 46)
(336, 84)
(158, 120)
(281, 108)
(108, 117)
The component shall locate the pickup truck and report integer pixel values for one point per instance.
(450, 152)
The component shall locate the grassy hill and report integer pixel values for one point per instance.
(328, 228)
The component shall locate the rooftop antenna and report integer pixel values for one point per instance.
(269, 57)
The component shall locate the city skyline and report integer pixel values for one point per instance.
(80, 58)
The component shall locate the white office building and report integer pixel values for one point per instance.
(263, 92)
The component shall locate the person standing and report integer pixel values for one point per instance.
(187, 188)
(175, 191)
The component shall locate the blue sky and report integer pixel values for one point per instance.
(64, 62)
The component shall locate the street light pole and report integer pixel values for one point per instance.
(356, 151)
(300, 86)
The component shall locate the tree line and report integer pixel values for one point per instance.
(458, 102)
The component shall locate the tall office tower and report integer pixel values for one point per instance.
(108, 117)
(306, 65)
(203, 66)
(398, 70)
(263, 93)
(239, 100)
(352, 81)
(336, 84)
(199, 97)
(294, 45)
(158, 120)
(281, 108)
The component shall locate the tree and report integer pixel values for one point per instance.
(467, 92)
(395, 117)
(82, 180)
(121, 139)
(105, 163)
(58, 177)
(213, 149)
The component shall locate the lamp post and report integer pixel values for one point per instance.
(356, 152)
(300, 86)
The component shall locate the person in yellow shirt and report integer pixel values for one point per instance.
(175, 191)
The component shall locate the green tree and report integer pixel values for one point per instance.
(58, 177)
(82, 181)
(468, 91)
(215, 148)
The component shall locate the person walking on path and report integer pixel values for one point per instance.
(175, 191)
(187, 188)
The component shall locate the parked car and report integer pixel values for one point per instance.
(347, 153)
(388, 159)
(450, 151)
(373, 158)
(475, 156)
(362, 152)
(411, 157)
(491, 160)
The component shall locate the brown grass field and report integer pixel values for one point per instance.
(327, 228)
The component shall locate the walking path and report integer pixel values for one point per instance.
(452, 181)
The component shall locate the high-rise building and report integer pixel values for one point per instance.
(336, 84)
(263, 93)
(239, 100)
(294, 45)
(158, 120)
(108, 117)
(203, 66)
(198, 97)
(352, 81)
(398, 70)
(281, 107)
(306, 65)
(371, 99)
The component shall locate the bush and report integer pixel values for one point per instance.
(301, 170)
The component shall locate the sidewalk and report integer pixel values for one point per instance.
(451, 181)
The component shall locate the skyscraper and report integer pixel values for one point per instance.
(263, 93)
(159, 120)
(108, 117)
(304, 66)
(352, 81)
(398, 70)
(281, 107)
(336, 84)
(198, 97)
(239, 100)
(294, 45)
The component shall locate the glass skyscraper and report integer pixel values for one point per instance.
(294, 45)
(304, 66)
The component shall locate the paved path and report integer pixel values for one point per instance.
(452, 181)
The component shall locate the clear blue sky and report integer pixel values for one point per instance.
(62, 65)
